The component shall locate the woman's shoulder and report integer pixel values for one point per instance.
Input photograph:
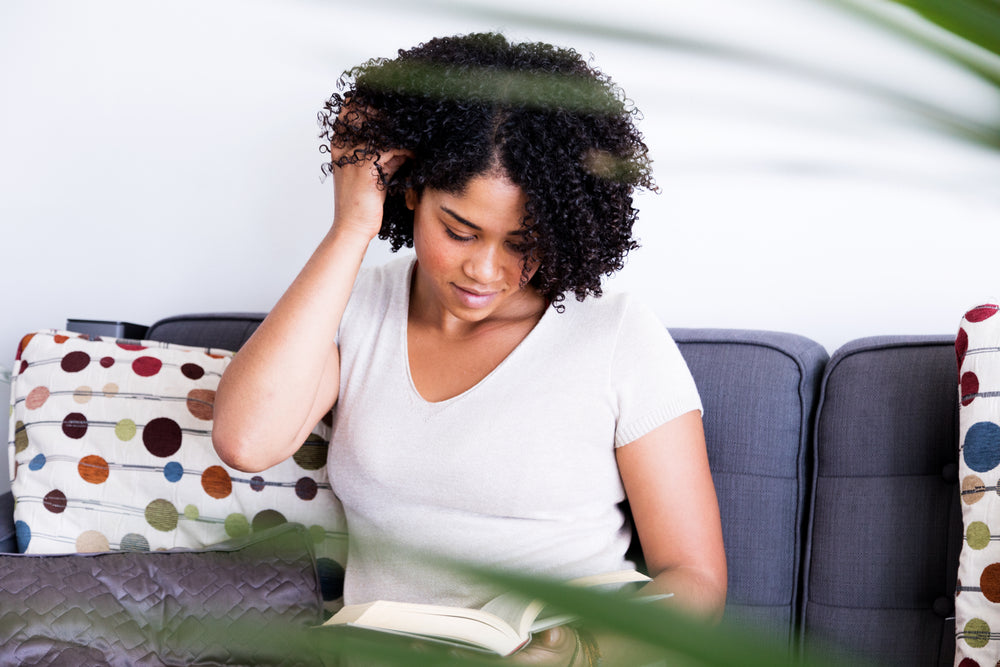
(383, 280)
(614, 309)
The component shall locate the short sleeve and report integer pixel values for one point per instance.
(649, 377)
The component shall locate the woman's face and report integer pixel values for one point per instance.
(468, 265)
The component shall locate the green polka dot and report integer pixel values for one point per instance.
(125, 430)
(237, 525)
(978, 535)
(977, 633)
(312, 454)
(161, 515)
(317, 533)
(20, 437)
(191, 513)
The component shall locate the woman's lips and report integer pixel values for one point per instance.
(472, 298)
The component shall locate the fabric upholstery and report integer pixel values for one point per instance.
(225, 330)
(977, 596)
(112, 451)
(8, 536)
(759, 390)
(885, 522)
(239, 603)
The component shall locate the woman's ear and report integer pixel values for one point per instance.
(411, 199)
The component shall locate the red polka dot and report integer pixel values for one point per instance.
(24, 366)
(961, 347)
(147, 366)
(107, 362)
(74, 362)
(54, 501)
(162, 437)
(989, 582)
(970, 387)
(74, 425)
(980, 313)
(968, 662)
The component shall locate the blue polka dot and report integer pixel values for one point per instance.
(331, 578)
(37, 463)
(173, 471)
(982, 447)
(23, 534)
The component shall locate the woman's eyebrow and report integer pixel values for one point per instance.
(472, 225)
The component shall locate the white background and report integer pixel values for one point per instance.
(162, 157)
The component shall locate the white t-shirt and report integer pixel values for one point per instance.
(518, 472)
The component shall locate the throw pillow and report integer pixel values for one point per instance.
(112, 451)
(977, 598)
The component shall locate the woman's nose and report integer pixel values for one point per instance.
(483, 265)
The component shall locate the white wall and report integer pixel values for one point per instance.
(161, 157)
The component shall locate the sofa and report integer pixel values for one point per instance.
(837, 478)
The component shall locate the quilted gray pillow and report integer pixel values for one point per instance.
(240, 602)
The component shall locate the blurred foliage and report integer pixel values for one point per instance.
(966, 32)
(975, 22)
(666, 636)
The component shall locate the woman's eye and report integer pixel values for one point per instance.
(455, 236)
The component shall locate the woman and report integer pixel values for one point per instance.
(479, 414)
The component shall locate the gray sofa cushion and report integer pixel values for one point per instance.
(759, 390)
(8, 534)
(886, 524)
(238, 603)
(227, 331)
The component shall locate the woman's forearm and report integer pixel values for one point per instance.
(699, 591)
(286, 376)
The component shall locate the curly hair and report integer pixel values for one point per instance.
(540, 115)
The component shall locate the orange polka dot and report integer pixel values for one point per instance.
(93, 469)
(216, 482)
(200, 403)
(23, 344)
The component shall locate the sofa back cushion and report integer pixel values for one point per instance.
(886, 525)
(759, 390)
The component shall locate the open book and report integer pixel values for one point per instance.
(503, 625)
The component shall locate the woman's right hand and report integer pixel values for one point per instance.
(358, 194)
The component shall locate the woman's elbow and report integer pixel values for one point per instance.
(235, 449)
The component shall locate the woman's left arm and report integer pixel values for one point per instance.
(676, 513)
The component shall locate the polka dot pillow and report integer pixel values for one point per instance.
(111, 451)
(977, 598)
